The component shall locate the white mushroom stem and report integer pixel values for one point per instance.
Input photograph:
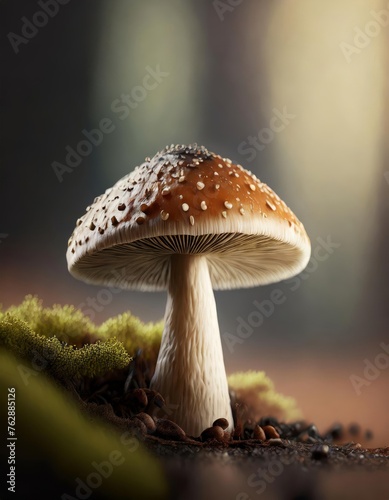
(190, 372)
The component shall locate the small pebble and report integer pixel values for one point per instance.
(320, 451)
(313, 432)
(336, 432)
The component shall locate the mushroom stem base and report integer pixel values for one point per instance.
(190, 372)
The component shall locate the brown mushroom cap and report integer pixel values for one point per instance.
(187, 200)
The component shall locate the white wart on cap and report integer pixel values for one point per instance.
(187, 200)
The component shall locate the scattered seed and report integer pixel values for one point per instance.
(185, 207)
(227, 204)
(137, 425)
(213, 433)
(191, 220)
(221, 422)
(203, 205)
(138, 398)
(169, 430)
(252, 187)
(164, 215)
(224, 214)
(165, 191)
(270, 432)
(200, 185)
(259, 433)
(148, 421)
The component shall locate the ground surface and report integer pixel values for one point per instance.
(292, 461)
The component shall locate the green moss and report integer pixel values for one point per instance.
(260, 398)
(60, 360)
(70, 325)
(134, 334)
(65, 322)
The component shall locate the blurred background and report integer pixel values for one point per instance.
(297, 92)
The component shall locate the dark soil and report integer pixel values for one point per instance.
(124, 400)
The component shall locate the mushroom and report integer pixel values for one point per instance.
(189, 221)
